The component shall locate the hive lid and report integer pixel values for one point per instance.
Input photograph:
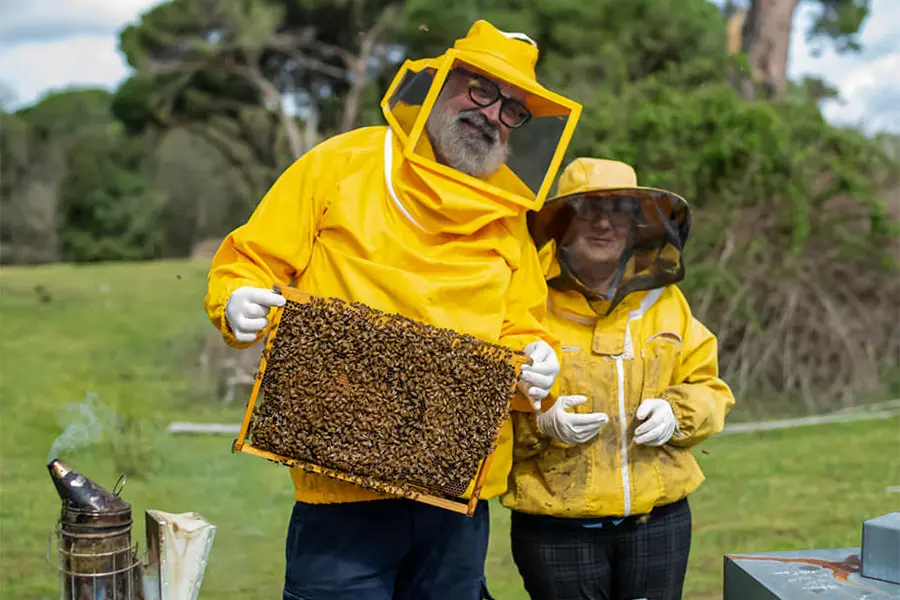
(832, 573)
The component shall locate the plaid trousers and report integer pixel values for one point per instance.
(638, 558)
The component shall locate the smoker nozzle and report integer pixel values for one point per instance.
(80, 493)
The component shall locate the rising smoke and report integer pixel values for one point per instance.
(84, 423)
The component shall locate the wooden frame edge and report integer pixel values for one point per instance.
(258, 377)
(460, 507)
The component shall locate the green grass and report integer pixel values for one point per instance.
(130, 333)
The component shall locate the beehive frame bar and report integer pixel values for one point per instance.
(387, 485)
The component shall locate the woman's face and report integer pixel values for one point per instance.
(597, 235)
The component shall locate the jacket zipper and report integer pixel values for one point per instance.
(623, 427)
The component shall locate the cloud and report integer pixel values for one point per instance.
(48, 45)
(50, 20)
(33, 69)
(870, 96)
(867, 80)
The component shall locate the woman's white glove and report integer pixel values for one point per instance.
(568, 427)
(246, 311)
(536, 379)
(658, 429)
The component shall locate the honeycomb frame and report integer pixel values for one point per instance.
(391, 488)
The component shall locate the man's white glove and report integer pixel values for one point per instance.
(658, 429)
(568, 427)
(246, 311)
(536, 379)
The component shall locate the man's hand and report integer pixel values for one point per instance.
(536, 379)
(658, 429)
(246, 311)
(567, 427)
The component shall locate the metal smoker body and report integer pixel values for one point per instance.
(98, 561)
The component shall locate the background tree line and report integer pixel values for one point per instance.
(793, 258)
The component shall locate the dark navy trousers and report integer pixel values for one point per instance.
(385, 550)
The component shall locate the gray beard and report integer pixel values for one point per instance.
(455, 144)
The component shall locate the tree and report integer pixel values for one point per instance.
(61, 116)
(203, 196)
(107, 209)
(34, 143)
(766, 35)
(584, 46)
(241, 73)
(27, 195)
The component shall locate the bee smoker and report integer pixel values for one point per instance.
(96, 559)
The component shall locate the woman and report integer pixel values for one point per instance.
(599, 492)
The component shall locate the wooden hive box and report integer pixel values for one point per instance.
(378, 400)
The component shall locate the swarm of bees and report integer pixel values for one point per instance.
(381, 397)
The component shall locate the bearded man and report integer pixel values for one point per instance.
(425, 217)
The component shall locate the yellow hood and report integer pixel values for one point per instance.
(442, 199)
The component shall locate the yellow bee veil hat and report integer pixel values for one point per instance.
(535, 149)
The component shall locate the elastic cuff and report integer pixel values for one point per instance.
(542, 439)
(676, 410)
(518, 341)
(520, 403)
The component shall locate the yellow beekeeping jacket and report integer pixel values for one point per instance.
(351, 220)
(649, 347)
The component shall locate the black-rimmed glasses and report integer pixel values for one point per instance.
(618, 211)
(484, 92)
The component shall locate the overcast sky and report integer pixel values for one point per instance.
(52, 44)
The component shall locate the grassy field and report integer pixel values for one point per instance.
(131, 334)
